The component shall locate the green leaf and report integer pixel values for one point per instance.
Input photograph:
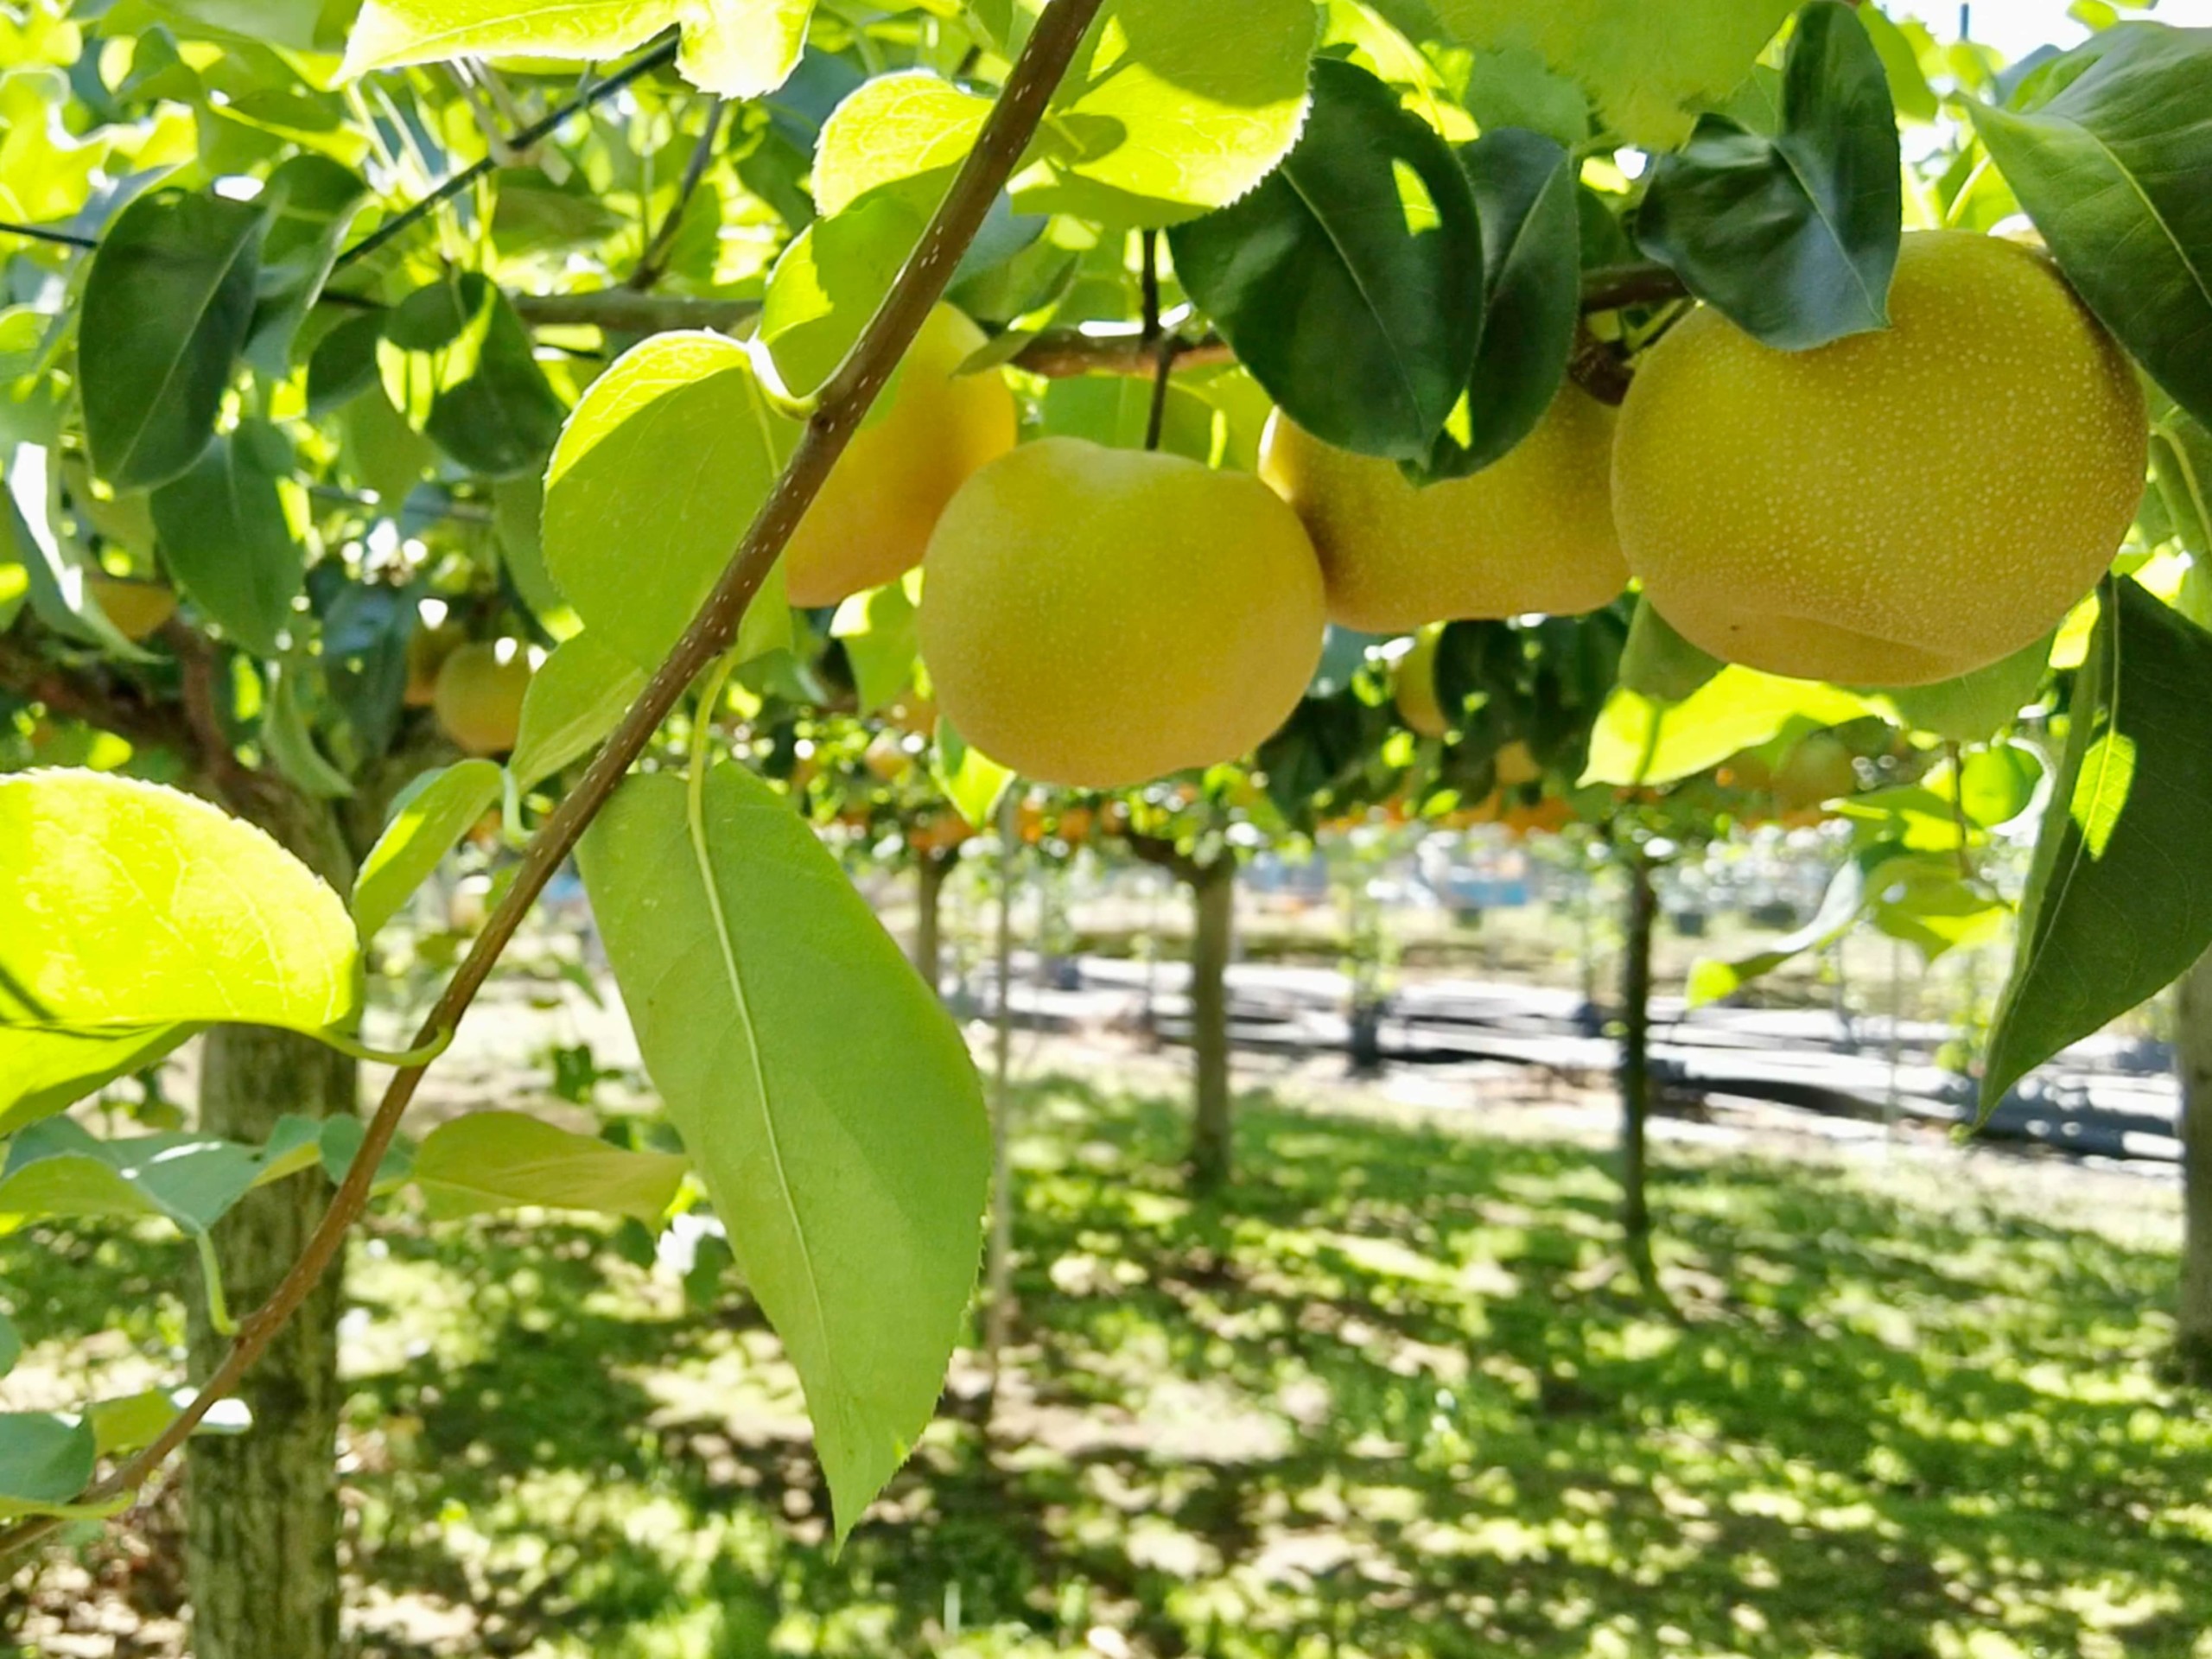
(11, 1345)
(43, 1072)
(670, 455)
(59, 1168)
(2118, 904)
(487, 1161)
(167, 306)
(1172, 110)
(1524, 191)
(1975, 707)
(878, 629)
(1638, 741)
(907, 132)
(828, 1101)
(457, 361)
(1712, 978)
(288, 736)
(1115, 410)
(311, 202)
(45, 1460)
(830, 283)
(1344, 281)
(2111, 169)
(578, 697)
(303, 25)
(1649, 67)
(340, 1143)
(130, 906)
(738, 48)
(423, 831)
(1658, 663)
(227, 540)
(971, 780)
(1793, 236)
(343, 364)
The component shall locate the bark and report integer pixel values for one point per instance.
(930, 874)
(262, 1521)
(2193, 1049)
(1213, 897)
(262, 1539)
(1636, 1047)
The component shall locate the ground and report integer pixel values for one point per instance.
(1392, 1395)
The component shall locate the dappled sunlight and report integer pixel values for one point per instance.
(1391, 1395)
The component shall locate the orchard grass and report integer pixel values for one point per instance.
(1390, 1397)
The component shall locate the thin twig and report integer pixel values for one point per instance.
(1163, 343)
(845, 402)
(598, 94)
(41, 233)
(651, 264)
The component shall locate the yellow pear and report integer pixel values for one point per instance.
(1414, 687)
(1896, 508)
(138, 608)
(427, 651)
(480, 696)
(1098, 617)
(1532, 533)
(871, 522)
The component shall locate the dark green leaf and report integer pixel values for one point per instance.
(167, 307)
(2112, 170)
(1524, 188)
(227, 541)
(2118, 902)
(343, 365)
(44, 1460)
(1346, 281)
(1794, 237)
(458, 363)
(311, 202)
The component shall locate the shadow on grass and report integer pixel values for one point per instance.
(1391, 1396)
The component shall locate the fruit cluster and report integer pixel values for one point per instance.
(1895, 509)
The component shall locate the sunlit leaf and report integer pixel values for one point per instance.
(489, 1161)
(424, 826)
(826, 1099)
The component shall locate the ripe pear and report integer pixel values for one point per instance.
(1414, 687)
(138, 608)
(1533, 532)
(1099, 617)
(871, 522)
(480, 696)
(1895, 508)
(427, 651)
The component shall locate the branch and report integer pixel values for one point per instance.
(114, 705)
(845, 402)
(1610, 287)
(651, 263)
(598, 92)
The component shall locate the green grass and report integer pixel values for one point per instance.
(1388, 1398)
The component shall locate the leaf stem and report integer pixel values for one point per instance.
(40, 233)
(1006, 134)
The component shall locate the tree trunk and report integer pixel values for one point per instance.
(1636, 1045)
(2193, 1049)
(262, 1540)
(1213, 897)
(930, 874)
